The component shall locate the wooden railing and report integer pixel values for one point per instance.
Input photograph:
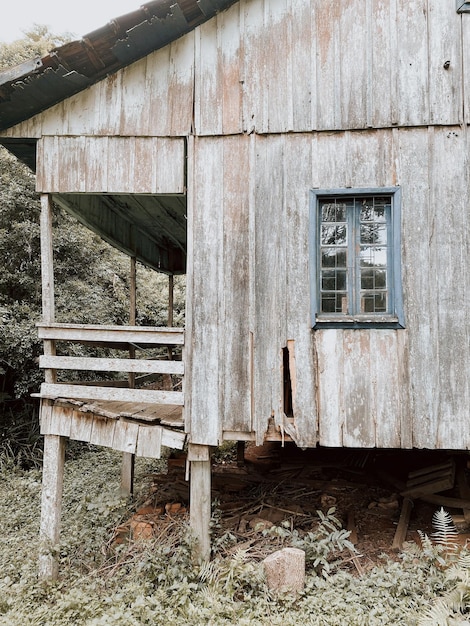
(117, 337)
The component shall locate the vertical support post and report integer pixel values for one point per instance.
(128, 459)
(51, 504)
(200, 498)
(47, 277)
(54, 446)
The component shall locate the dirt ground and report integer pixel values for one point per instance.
(282, 484)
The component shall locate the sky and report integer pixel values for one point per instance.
(78, 17)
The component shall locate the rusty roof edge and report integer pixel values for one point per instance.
(101, 52)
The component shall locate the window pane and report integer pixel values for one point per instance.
(333, 257)
(336, 303)
(373, 256)
(333, 280)
(374, 302)
(333, 211)
(333, 235)
(374, 233)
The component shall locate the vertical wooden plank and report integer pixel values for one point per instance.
(270, 293)
(51, 504)
(254, 102)
(208, 82)
(329, 357)
(418, 234)
(450, 242)
(207, 224)
(302, 65)
(125, 436)
(412, 62)
(328, 96)
(81, 426)
(97, 158)
(149, 441)
(60, 422)
(121, 163)
(354, 64)
(134, 110)
(445, 66)
(359, 425)
(277, 86)
(235, 361)
(200, 505)
(232, 76)
(298, 181)
(102, 432)
(180, 95)
(385, 381)
(382, 45)
(169, 166)
(110, 96)
(463, 32)
(157, 77)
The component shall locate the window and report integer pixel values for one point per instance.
(355, 258)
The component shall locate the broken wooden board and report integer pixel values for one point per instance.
(430, 480)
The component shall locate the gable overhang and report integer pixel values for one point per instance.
(40, 83)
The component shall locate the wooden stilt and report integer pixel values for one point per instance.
(240, 453)
(127, 474)
(128, 459)
(51, 504)
(200, 498)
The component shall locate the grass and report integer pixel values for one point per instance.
(157, 582)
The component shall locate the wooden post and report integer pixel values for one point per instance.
(51, 504)
(54, 446)
(128, 459)
(200, 498)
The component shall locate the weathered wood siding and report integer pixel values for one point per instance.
(358, 388)
(285, 65)
(111, 164)
(278, 97)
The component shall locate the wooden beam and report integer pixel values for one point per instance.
(51, 504)
(402, 528)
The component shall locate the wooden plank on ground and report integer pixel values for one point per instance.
(402, 528)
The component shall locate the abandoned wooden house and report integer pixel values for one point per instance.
(306, 164)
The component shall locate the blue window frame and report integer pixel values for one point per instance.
(355, 266)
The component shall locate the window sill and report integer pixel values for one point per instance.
(358, 321)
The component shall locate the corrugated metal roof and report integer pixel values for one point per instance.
(38, 84)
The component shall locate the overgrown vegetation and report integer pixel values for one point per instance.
(157, 581)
